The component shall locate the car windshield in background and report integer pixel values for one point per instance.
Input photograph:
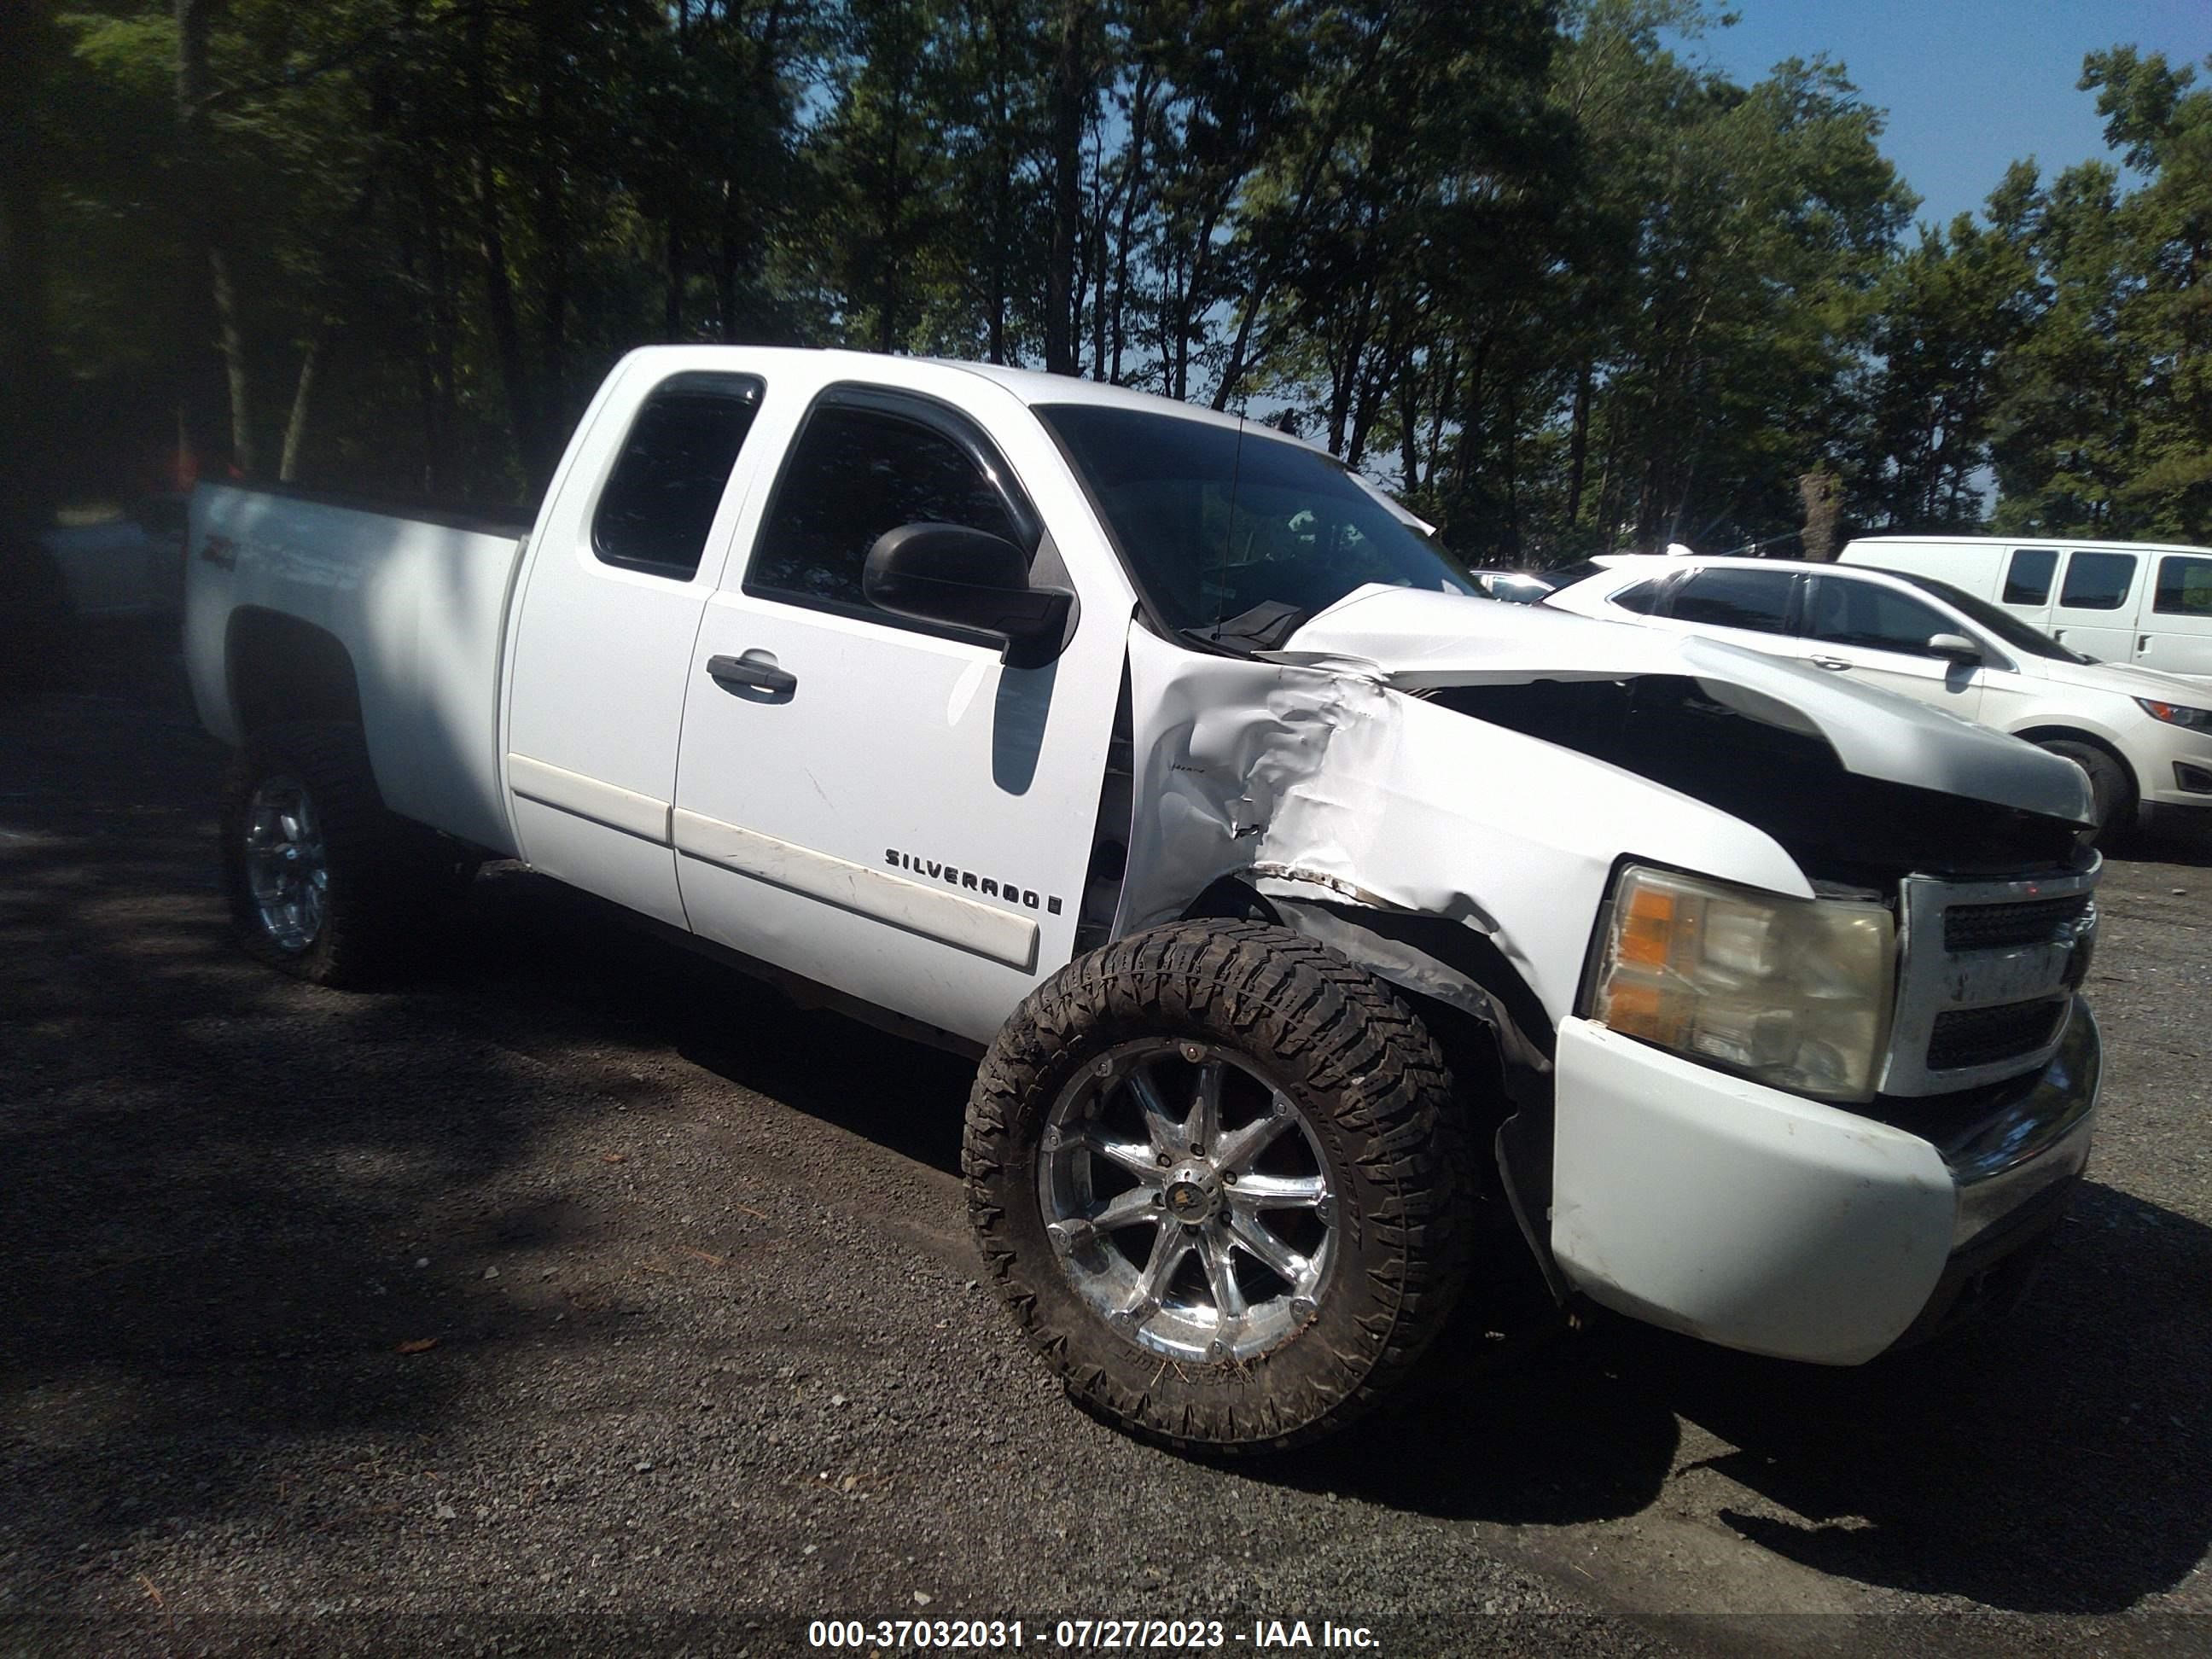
(1215, 522)
(2003, 623)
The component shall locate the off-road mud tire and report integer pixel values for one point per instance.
(1368, 1076)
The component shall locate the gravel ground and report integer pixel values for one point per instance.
(589, 1296)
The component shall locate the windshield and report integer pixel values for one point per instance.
(2003, 623)
(1215, 521)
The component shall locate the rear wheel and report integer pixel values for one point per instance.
(324, 882)
(2108, 782)
(1218, 1176)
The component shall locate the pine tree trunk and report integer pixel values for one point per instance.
(295, 429)
(672, 292)
(1067, 101)
(491, 252)
(1139, 112)
(26, 360)
(193, 20)
(1578, 443)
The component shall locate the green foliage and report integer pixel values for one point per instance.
(1526, 261)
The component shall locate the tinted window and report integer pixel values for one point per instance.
(1216, 520)
(2185, 587)
(1757, 599)
(2028, 581)
(854, 474)
(1846, 612)
(1644, 598)
(2097, 582)
(660, 499)
(2003, 623)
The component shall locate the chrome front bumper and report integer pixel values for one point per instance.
(2034, 1140)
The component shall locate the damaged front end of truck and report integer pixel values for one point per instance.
(1779, 975)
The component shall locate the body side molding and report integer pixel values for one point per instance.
(916, 906)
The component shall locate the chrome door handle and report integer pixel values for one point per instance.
(1829, 662)
(731, 672)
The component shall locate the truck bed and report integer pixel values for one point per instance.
(417, 598)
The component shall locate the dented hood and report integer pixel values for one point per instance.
(1416, 640)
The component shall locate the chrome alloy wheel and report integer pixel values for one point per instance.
(287, 867)
(1188, 1200)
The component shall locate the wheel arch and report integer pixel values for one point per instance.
(279, 668)
(1496, 1037)
(2061, 732)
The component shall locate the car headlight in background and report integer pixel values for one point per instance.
(2197, 720)
(1793, 992)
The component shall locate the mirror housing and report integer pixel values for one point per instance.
(948, 573)
(1956, 647)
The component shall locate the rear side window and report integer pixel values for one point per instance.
(1756, 599)
(1644, 599)
(855, 474)
(1847, 613)
(2097, 582)
(2185, 587)
(2028, 580)
(660, 499)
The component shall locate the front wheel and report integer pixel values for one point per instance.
(1218, 1174)
(2112, 789)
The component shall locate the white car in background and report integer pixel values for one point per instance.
(2145, 739)
(2143, 603)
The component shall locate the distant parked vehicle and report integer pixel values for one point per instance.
(114, 562)
(2144, 739)
(2147, 603)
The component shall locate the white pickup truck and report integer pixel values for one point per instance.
(1326, 934)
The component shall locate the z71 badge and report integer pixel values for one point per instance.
(1011, 892)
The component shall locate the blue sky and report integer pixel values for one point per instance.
(1969, 85)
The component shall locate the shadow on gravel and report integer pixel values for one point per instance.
(570, 968)
(2182, 850)
(1965, 1468)
(217, 1184)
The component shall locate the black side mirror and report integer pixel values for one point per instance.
(947, 573)
(1955, 647)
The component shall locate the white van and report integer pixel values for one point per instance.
(2145, 602)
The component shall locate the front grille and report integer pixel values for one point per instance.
(2004, 926)
(1983, 1036)
(1987, 975)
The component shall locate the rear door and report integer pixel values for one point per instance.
(1878, 634)
(1752, 608)
(2095, 609)
(633, 541)
(2175, 635)
(878, 804)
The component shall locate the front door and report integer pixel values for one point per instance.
(1879, 636)
(878, 804)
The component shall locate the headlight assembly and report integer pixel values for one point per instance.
(1793, 992)
(2197, 720)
